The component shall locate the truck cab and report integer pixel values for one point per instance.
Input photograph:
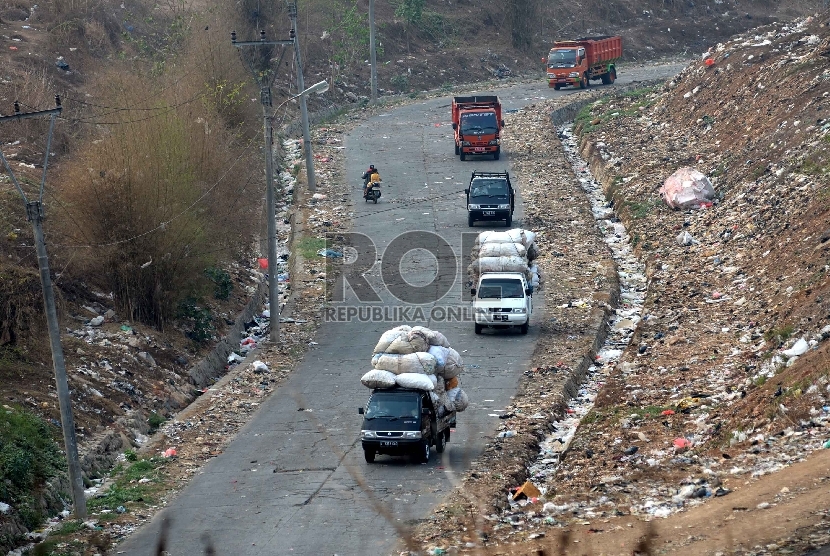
(403, 422)
(490, 197)
(502, 299)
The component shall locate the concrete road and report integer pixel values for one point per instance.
(290, 482)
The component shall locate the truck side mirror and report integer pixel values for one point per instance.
(467, 191)
(424, 411)
(472, 291)
(544, 60)
(360, 410)
(455, 126)
(502, 123)
(529, 291)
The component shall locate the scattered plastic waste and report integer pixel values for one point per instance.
(329, 253)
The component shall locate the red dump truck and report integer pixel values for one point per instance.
(580, 61)
(477, 122)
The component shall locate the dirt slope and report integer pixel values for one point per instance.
(706, 405)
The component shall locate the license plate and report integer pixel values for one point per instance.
(480, 149)
(389, 443)
(499, 317)
(489, 213)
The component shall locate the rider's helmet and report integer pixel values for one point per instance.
(371, 166)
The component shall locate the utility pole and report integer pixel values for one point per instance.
(34, 212)
(372, 53)
(309, 159)
(263, 79)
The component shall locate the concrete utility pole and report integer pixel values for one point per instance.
(372, 51)
(263, 79)
(309, 158)
(34, 212)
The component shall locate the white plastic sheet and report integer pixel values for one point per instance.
(687, 188)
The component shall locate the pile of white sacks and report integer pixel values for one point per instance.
(506, 251)
(420, 358)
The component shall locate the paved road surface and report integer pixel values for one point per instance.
(283, 485)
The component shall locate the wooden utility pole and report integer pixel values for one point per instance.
(263, 79)
(34, 212)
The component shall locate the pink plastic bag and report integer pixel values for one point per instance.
(687, 188)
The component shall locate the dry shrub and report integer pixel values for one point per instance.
(156, 199)
(21, 305)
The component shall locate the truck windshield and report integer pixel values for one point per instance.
(488, 188)
(392, 405)
(500, 288)
(562, 58)
(478, 123)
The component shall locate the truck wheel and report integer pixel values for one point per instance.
(369, 455)
(478, 328)
(585, 82)
(456, 150)
(523, 328)
(441, 443)
(422, 452)
(557, 87)
(470, 220)
(462, 156)
(509, 219)
(447, 435)
(496, 154)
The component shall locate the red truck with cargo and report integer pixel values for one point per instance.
(579, 61)
(476, 121)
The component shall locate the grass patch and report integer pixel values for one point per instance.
(309, 246)
(127, 490)
(69, 527)
(778, 335)
(29, 457)
(640, 209)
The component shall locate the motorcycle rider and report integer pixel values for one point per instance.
(367, 177)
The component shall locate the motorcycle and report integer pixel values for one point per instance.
(371, 191)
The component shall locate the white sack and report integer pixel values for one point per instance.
(434, 338)
(440, 353)
(498, 264)
(377, 378)
(421, 362)
(387, 337)
(501, 250)
(516, 235)
(453, 366)
(687, 188)
(415, 381)
(410, 342)
(459, 398)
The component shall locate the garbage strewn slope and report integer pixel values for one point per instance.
(726, 379)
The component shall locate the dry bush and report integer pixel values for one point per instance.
(157, 199)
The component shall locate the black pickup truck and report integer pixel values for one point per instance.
(403, 422)
(490, 197)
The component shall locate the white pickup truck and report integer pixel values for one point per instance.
(502, 299)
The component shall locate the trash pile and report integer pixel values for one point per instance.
(505, 251)
(420, 358)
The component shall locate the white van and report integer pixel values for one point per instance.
(502, 299)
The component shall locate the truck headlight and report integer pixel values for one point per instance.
(465, 143)
(573, 74)
(368, 434)
(520, 311)
(412, 434)
(504, 207)
(473, 207)
(493, 142)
